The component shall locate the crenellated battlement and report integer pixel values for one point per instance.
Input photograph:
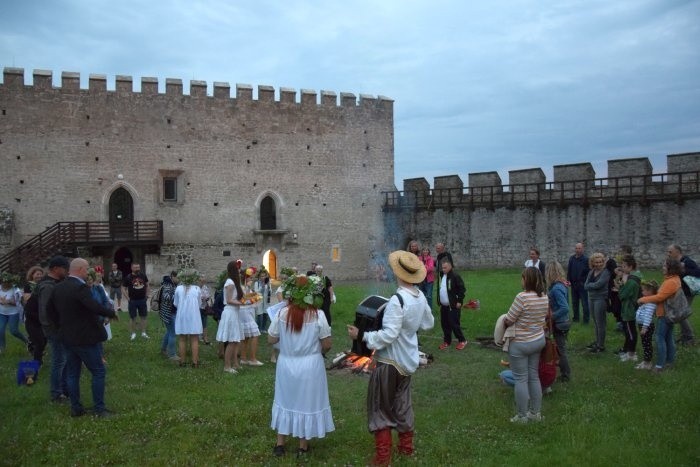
(14, 78)
(628, 179)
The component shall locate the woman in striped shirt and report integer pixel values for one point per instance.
(527, 315)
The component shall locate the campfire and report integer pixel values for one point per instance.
(356, 364)
(359, 359)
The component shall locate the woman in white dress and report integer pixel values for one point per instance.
(230, 333)
(301, 407)
(251, 332)
(188, 323)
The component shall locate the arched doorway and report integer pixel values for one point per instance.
(121, 206)
(123, 258)
(268, 214)
(270, 263)
(121, 214)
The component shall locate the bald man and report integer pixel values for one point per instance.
(76, 316)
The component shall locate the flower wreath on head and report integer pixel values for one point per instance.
(188, 276)
(9, 277)
(304, 291)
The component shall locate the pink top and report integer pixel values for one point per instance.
(429, 267)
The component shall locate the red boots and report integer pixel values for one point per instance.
(406, 443)
(382, 447)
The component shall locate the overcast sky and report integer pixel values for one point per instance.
(478, 85)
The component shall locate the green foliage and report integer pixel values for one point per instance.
(609, 414)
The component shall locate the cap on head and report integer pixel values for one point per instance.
(59, 262)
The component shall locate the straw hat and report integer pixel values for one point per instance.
(407, 267)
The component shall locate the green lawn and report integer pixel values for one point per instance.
(609, 414)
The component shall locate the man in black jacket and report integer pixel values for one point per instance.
(451, 296)
(75, 314)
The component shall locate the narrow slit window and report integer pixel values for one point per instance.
(169, 189)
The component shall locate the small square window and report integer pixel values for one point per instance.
(169, 189)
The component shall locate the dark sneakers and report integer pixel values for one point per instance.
(279, 451)
(106, 413)
(78, 413)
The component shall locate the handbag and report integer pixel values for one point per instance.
(550, 352)
(693, 284)
(677, 308)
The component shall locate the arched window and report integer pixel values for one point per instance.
(268, 214)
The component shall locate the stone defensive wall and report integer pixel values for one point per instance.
(491, 224)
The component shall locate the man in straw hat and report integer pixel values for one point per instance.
(396, 354)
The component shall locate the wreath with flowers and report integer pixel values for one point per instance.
(188, 276)
(304, 291)
(9, 278)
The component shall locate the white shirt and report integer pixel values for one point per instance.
(397, 342)
(444, 298)
(530, 264)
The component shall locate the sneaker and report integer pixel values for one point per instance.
(255, 363)
(244, 362)
(632, 357)
(534, 417)
(444, 346)
(519, 419)
(279, 451)
(624, 357)
(144, 335)
(461, 345)
(231, 370)
(657, 369)
(597, 350)
(106, 413)
(174, 358)
(592, 345)
(643, 366)
(133, 336)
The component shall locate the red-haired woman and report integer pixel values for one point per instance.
(301, 407)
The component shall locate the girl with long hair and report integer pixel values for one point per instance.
(230, 333)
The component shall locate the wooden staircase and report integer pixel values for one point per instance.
(66, 237)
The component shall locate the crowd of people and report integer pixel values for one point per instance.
(69, 309)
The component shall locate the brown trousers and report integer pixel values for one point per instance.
(389, 400)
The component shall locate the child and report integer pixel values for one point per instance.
(645, 316)
(628, 293)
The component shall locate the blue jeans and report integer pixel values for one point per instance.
(665, 347)
(13, 320)
(90, 355)
(427, 289)
(59, 382)
(168, 343)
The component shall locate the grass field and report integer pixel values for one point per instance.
(609, 414)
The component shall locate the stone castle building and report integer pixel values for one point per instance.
(177, 180)
(181, 180)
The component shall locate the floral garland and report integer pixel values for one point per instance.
(304, 292)
(188, 276)
(9, 277)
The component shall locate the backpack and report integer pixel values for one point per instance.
(677, 308)
(380, 313)
(155, 299)
(218, 307)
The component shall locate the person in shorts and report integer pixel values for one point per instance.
(136, 292)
